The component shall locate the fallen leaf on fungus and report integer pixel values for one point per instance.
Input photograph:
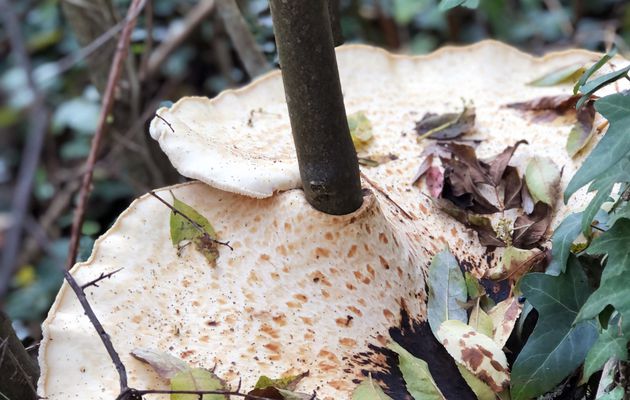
(569, 74)
(197, 379)
(542, 177)
(369, 390)
(288, 382)
(446, 126)
(164, 364)
(530, 229)
(515, 263)
(481, 390)
(477, 352)
(504, 316)
(415, 372)
(187, 225)
(447, 290)
(360, 129)
(374, 160)
(582, 131)
(559, 104)
(480, 321)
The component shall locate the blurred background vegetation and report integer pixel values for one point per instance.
(186, 47)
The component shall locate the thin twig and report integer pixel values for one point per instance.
(38, 124)
(191, 21)
(244, 42)
(141, 393)
(386, 195)
(187, 218)
(107, 342)
(108, 102)
(103, 276)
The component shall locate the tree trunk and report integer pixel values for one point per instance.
(18, 371)
(328, 162)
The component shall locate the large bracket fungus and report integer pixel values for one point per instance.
(302, 290)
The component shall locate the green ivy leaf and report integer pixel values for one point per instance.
(613, 288)
(609, 345)
(594, 68)
(556, 347)
(542, 176)
(415, 372)
(447, 291)
(622, 211)
(612, 148)
(568, 74)
(594, 85)
(197, 379)
(561, 241)
(369, 390)
(200, 231)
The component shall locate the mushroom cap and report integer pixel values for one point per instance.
(302, 290)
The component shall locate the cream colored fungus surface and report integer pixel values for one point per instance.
(301, 290)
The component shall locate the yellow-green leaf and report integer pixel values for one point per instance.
(568, 74)
(415, 372)
(481, 390)
(543, 180)
(164, 364)
(360, 129)
(369, 390)
(197, 379)
(480, 320)
(186, 224)
(288, 382)
(477, 352)
(504, 316)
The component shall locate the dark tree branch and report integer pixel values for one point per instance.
(328, 162)
(38, 124)
(18, 371)
(108, 102)
(334, 11)
(107, 342)
(244, 42)
(103, 276)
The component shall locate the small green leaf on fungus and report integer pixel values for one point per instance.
(447, 291)
(164, 364)
(479, 388)
(446, 5)
(360, 129)
(582, 131)
(477, 352)
(474, 288)
(446, 126)
(200, 231)
(542, 177)
(197, 379)
(277, 394)
(568, 74)
(288, 382)
(480, 321)
(415, 372)
(369, 390)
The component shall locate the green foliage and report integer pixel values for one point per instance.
(369, 390)
(187, 225)
(447, 291)
(556, 347)
(415, 372)
(562, 239)
(610, 344)
(196, 379)
(609, 162)
(563, 75)
(613, 289)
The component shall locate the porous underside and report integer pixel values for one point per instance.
(301, 291)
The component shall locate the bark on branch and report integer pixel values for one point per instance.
(328, 162)
(18, 370)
